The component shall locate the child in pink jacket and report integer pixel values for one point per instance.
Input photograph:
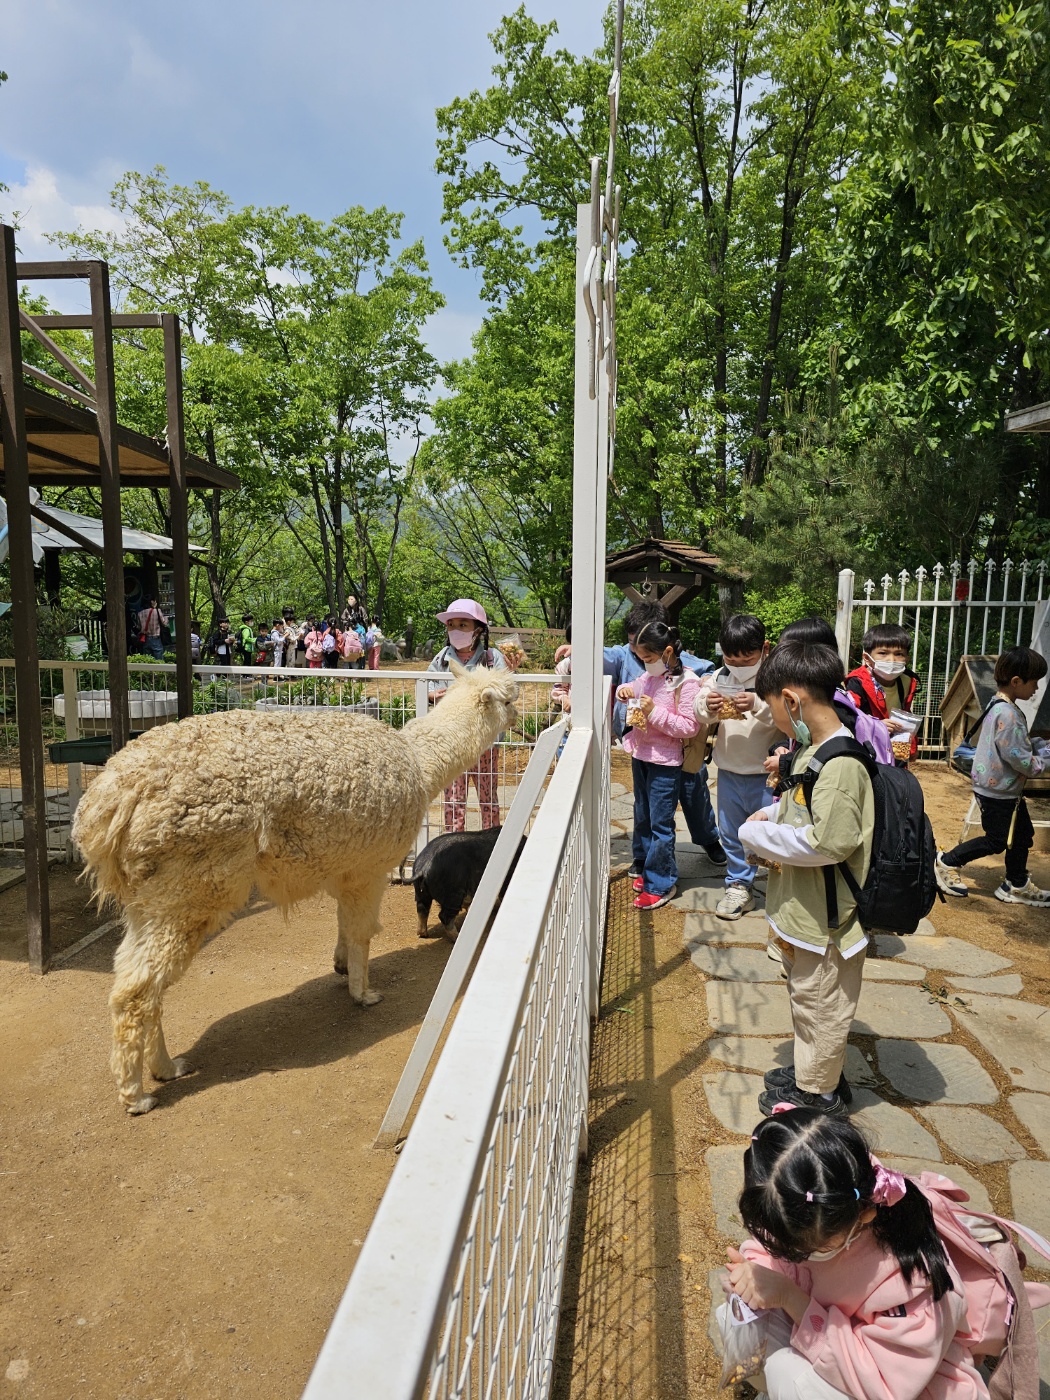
(869, 1304)
(660, 718)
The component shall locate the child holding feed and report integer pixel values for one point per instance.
(824, 965)
(868, 1302)
(745, 732)
(660, 718)
(1005, 758)
(883, 683)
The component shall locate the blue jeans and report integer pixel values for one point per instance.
(739, 794)
(656, 789)
(696, 808)
(155, 647)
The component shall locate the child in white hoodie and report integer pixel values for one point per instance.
(745, 733)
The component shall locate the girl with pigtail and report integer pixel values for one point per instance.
(660, 718)
(867, 1301)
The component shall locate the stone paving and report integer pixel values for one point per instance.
(919, 1094)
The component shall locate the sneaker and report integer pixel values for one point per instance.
(637, 884)
(784, 1078)
(835, 1107)
(655, 901)
(736, 901)
(715, 854)
(1023, 894)
(948, 878)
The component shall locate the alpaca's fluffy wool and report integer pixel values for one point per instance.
(183, 822)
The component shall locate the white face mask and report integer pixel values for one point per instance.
(821, 1256)
(743, 674)
(887, 670)
(655, 668)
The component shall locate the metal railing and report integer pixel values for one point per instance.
(74, 704)
(457, 1288)
(951, 612)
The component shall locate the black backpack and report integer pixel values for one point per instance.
(900, 889)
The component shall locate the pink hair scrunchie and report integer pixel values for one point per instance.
(890, 1186)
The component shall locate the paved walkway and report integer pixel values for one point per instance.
(950, 1065)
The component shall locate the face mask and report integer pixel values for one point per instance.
(743, 674)
(460, 639)
(821, 1256)
(887, 670)
(655, 668)
(800, 729)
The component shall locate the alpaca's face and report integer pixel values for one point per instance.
(499, 696)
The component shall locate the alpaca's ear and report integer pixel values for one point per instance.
(457, 668)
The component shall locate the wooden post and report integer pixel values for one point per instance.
(180, 519)
(74, 772)
(844, 614)
(109, 481)
(23, 611)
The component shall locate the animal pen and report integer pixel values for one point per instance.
(457, 1288)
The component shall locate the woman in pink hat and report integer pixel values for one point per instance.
(468, 643)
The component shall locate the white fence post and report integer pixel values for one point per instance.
(844, 614)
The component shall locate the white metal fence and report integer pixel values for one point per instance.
(951, 612)
(74, 705)
(457, 1288)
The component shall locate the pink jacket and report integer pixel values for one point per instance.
(873, 1336)
(672, 719)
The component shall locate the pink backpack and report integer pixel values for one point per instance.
(351, 644)
(999, 1302)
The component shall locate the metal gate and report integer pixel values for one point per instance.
(951, 612)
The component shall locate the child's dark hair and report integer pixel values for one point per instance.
(642, 613)
(812, 631)
(887, 634)
(808, 1177)
(817, 669)
(658, 636)
(568, 631)
(741, 634)
(1022, 662)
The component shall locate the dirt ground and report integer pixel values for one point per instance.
(636, 1301)
(201, 1250)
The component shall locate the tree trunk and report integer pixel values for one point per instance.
(730, 597)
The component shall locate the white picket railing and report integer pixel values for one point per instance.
(457, 1288)
(951, 611)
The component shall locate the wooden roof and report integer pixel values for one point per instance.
(651, 553)
(1029, 420)
(63, 450)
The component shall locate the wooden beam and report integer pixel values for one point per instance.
(178, 498)
(692, 580)
(23, 611)
(59, 354)
(1029, 420)
(112, 524)
(633, 595)
(54, 271)
(675, 597)
(150, 320)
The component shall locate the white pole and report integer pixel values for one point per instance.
(844, 614)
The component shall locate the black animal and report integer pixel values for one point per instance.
(448, 872)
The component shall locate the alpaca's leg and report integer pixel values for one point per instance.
(358, 923)
(160, 1063)
(339, 955)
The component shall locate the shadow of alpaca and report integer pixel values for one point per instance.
(314, 1024)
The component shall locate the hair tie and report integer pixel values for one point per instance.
(890, 1186)
(809, 1195)
(856, 1193)
(783, 1108)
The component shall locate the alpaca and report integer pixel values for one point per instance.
(182, 823)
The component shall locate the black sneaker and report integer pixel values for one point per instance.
(784, 1078)
(835, 1107)
(715, 854)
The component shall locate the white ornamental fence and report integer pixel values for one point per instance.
(951, 611)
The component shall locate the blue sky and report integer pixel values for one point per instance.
(318, 104)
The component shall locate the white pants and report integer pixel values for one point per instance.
(789, 1376)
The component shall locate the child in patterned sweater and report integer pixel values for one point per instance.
(1005, 759)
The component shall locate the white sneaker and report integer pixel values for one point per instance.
(948, 878)
(736, 901)
(1023, 894)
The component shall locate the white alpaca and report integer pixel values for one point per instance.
(183, 822)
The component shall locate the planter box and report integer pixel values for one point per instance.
(369, 707)
(146, 707)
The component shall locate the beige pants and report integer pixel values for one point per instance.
(824, 989)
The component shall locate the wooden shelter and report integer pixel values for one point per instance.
(47, 440)
(663, 571)
(1028, 420)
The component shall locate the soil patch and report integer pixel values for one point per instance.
(201, 1250)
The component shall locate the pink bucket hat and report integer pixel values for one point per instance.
(465, 607)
